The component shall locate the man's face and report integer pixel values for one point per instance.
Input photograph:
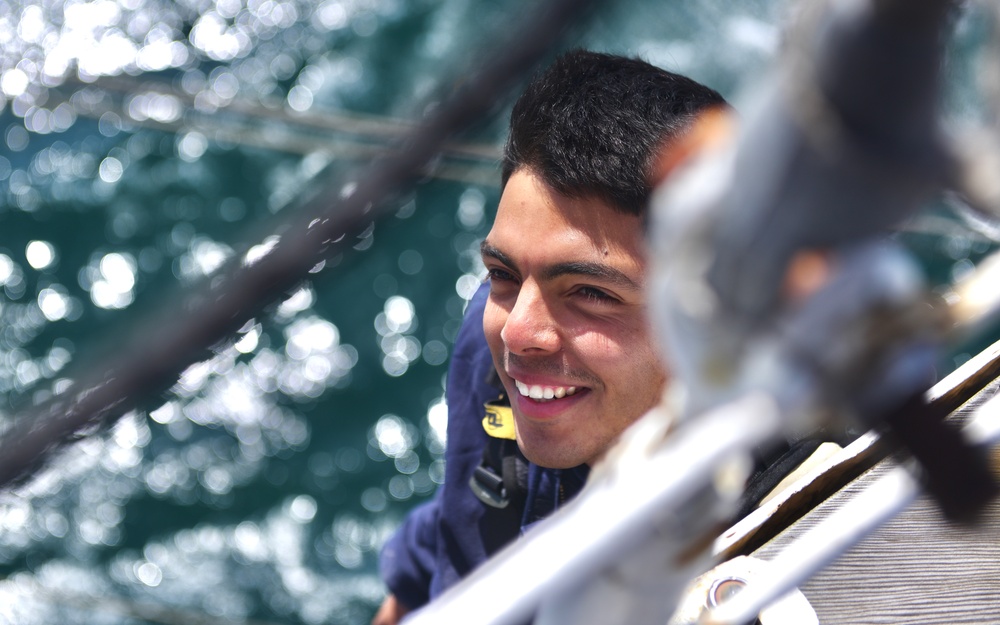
(566, 323)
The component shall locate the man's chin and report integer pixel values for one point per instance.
(549, 458)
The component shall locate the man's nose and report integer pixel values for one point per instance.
(530, 327)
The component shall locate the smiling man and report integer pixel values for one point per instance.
(559, 331)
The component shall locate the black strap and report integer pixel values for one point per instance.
(772, 467)
(500, 481)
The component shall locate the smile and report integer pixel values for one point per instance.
(544, 393)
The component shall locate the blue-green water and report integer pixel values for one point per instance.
(142, 142)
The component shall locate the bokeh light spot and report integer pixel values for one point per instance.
(192, 146)
(113, 289)
(40, 254)
(111, 169)
(7, 268)
(13, 83)
(149, 574)
(303, 509)
(411, 262)
(54, 304)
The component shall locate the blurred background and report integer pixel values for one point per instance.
(141, 143)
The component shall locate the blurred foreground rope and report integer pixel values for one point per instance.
(160, 348)
(342, 135)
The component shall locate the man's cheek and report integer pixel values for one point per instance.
(493, 320)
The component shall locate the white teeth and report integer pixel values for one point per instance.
(544, 393)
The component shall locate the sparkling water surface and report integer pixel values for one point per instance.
(143, 143)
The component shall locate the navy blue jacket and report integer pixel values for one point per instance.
(440, 542)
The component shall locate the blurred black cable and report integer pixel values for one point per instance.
(155, 355)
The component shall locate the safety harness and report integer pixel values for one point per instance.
(501, 479)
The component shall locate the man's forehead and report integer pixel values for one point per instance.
(529, 202)
(535, 221)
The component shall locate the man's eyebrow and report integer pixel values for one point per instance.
(599, 271)
(489, 251)
(604, 273)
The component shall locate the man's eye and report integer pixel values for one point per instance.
(499, 275)
(596, 296)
